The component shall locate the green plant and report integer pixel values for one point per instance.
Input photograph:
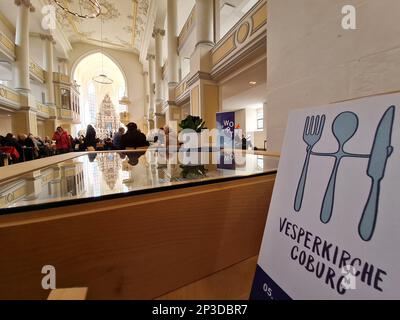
(194, 123)
(192, 172)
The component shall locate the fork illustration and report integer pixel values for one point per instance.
(313, 129)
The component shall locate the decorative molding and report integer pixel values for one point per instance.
(26, 3)
(224, 49)
(243, 32)
(47, 37)
(9, 96)
(147, 33)
(197, 77)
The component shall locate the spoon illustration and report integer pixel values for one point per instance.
(344, 128)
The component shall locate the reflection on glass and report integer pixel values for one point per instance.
(102, 174)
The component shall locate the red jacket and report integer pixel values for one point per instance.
(62, 140)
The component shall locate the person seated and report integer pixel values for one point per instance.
(133, 138)
(108, 144)
(117, 138)
(11, 141)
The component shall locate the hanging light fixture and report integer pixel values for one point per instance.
(91, 9)
(102, 77)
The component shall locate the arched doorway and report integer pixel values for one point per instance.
(93, 93)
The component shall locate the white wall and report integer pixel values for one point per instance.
(5, 124)
(251, 120)
(36, 51)
(313, 61)
(240, 119)
(133, 69)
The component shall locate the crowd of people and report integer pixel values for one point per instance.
(20, 148)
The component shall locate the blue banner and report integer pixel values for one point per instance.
(226, 127)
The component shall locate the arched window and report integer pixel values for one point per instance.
(91, 100)
(121, 93)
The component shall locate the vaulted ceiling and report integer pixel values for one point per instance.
(124, 22)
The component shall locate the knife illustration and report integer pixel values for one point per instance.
(381, 151)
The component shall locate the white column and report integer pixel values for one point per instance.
(151, 110)
(147, 92)
(205, 22)
(158, 35)
(173, 58)
(22, 45)
(217, 20)
(265, 132)
(49, 59)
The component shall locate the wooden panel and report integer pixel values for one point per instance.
(9, 94)
(243, 32)
(233, 283)
(259, 18)
(224, 49)
(195, 101)
(136, 247)
(210, 105)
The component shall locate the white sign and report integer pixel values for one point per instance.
(333, 228)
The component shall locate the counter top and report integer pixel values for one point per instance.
(86, 177)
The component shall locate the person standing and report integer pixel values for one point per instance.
(63, 143)
(133, 138)
(117, 138)
(90, 139)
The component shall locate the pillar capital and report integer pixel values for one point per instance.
(47, 37)
(146, 73)
(62, 60)
(26, 3)
(151, 56)
(157, 31)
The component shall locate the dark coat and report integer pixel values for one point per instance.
(134, 139)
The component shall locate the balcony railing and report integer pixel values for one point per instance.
(61, 78)
(250, 28)
(7, 47)
(181, 89)
(49, 112)
(9, 97)
(36, 72)
(187, 28)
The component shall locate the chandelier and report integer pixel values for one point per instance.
(102, 77)
(84, 9)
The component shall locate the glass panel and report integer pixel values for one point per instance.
(102, 174)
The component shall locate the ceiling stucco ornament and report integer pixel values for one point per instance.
(141, 20)
(124, 24)
(88, 9)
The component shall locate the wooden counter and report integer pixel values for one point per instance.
(164, 243)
